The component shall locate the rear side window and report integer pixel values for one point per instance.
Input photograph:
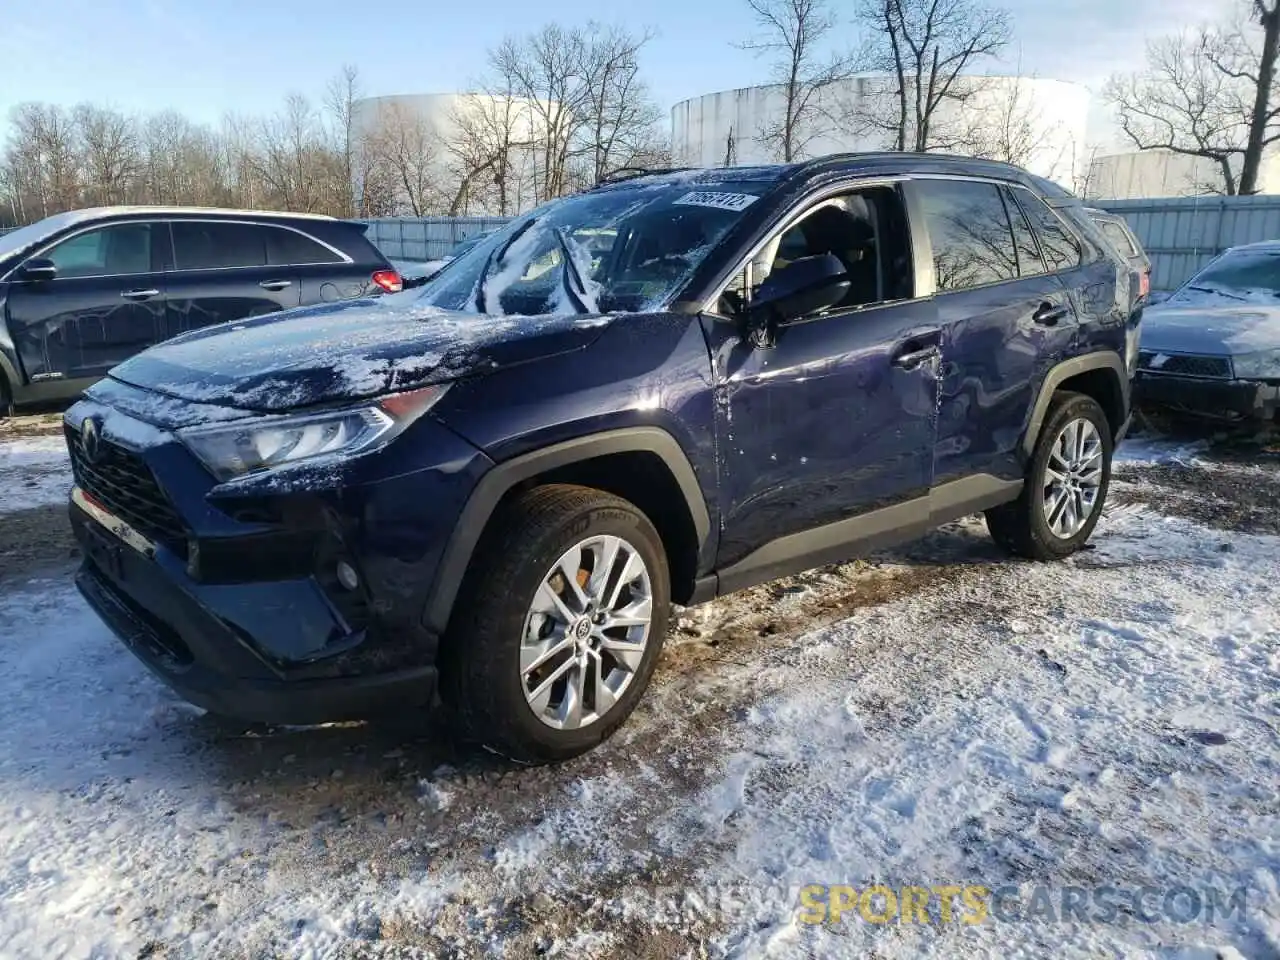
(207, 245)
(1119, 236)
(1061, 249)
(107, 252)
(286, 247)
(970, 233)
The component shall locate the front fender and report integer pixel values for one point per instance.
(494, 485)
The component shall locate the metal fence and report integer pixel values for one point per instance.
(426, 238)
(1182, 234)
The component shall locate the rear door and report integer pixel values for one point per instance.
(221, 272)
(1005, 319)
(325, 272)
(106, 303)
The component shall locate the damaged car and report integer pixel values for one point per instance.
(1212, 349)
(664, 389)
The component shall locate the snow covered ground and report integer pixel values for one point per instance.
(34, 472)
(939, 716)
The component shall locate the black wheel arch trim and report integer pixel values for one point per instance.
(1057, 375)
(495, 484)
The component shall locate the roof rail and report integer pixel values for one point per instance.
(631, 173)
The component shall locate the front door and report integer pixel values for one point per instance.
(836, 418)
(106, 303)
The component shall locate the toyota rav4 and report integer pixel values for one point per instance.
(663, 389)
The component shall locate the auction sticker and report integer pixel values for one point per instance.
(721, 201)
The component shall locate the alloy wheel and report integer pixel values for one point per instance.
(1072, 478)
(586, 632)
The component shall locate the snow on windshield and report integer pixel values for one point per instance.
(1240, 276)
(618, 250)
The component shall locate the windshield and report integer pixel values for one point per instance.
(627, 249)
(1248, 276)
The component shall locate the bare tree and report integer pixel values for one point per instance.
(792, 33)
(489, 130)
(928, 48)
(589, 110)
(1182, 102)
(622, 118)
(1007, 124)
(1253, 59)
(108, 145)
(340, 99)
(409, 146)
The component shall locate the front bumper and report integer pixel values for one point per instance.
(148, 604)
(1208, 398)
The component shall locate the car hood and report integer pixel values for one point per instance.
(1211, 329)
(346, 351)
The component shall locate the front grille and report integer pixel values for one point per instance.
(1184, 365)
(123, 484)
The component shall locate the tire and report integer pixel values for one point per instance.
(6, 398)
(506, 606)
(1026, 526)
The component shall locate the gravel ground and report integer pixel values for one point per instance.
(138, 826)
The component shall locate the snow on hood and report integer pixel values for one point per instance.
(346, 351)
(1213, 325)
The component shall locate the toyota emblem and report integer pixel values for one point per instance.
(91, 439)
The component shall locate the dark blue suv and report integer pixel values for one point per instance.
(663, 389)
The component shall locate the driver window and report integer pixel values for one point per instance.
(865, 229)
(117, 250)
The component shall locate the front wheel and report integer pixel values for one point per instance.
(1066, 483)
(559, 625)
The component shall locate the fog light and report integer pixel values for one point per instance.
(347, 575)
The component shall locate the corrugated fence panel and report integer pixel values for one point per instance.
(426, 238)
(1182, 234)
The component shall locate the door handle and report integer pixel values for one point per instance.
(911, 359)
(140, 294)
(1049, 314)
(275, 284)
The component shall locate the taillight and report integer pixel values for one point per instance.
(389, 281)
(1144, 284)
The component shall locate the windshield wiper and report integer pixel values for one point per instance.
(1221, 293)
(574, 284)
(495, 256)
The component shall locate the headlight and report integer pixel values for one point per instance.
(234, 449)
(1262, 365)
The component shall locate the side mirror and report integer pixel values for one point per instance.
(37, 269)
(801, 288)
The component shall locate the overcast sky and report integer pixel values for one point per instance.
(210, 57)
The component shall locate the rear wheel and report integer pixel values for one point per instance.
(6, 398)
(559, 626)
(1066, 483)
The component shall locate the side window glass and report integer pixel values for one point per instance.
(109, 252)
(1115, 233)
(1062, 250)
(288, 247)
(865, 230)
(210, 245)
(969, 228)
(1029, 262)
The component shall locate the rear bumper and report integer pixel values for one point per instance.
(1214, 399)
(206, 659)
